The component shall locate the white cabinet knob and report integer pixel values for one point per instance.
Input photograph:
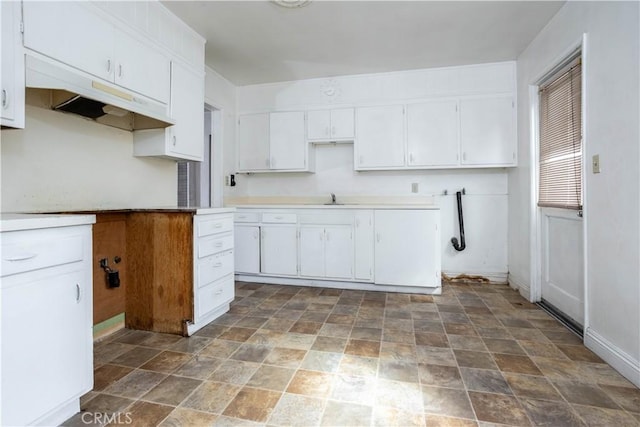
(174, 140)
(77, 292)
(119, 70)
(109, 66)
(5, 98)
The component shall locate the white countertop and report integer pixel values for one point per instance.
(339, 206)
(21, 221)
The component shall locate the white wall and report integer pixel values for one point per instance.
(612, 198)
(221, 94)
(485, 205)
(65, 162)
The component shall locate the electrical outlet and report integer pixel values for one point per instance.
(595, 163)
(414, 187)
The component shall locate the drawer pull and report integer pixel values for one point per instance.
(218, 225)
(217, 265)
(77, 292)
(242, 216)
(218, 244)
(278, 217)
(21, 257)
(219, 291)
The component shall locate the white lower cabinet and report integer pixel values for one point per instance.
(213, 238)
(407, 247)
(326, 251)
(247, 247)
(399, 247)
(279, 250)
(47, 340)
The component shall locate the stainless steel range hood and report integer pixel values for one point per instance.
(75, 92)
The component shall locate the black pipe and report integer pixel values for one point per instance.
(454, 240)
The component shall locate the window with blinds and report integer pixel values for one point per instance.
(560, 157)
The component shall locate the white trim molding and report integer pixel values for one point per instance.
(621, 361)
(521, 286)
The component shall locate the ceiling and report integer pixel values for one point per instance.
(252, 42)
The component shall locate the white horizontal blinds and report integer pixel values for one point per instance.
(561, 139)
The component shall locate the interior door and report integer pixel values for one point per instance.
(562, 272)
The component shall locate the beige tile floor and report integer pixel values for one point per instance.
(478, 355)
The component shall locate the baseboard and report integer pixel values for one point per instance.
(492, 276)
(521, 286)
(622, 362)
(108, 327)
(359, 286)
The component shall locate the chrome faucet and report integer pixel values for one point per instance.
(333, 199)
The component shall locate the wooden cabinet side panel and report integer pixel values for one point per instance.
(160, 291)
(109, 241)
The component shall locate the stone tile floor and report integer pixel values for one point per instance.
(477, 355)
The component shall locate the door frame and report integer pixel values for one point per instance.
(536, 243)
(216, 160)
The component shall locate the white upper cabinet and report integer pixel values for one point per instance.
(12, 73)
(78, 35)
(432, 133)
(187, 108)
(287, 145)
(272, 142)
(488, 131)
(253, 142)
(331, 125)
(379, 137)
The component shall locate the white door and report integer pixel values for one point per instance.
(562, 278)
(247, 249)
(318, 124)
(487, 131)
(363, 242)
(379, 137)
(253, 142)
(287, 141)
(432, 133)
(279, 254)
(407, 248)
(342, 123)
(40, 373)
(312, 251)
(338, 252)
(82, 38)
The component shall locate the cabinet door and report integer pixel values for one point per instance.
(363, 261)
(342, 123)
(287, 142)
(407, 248)
(141, 68)
(72, 33)
(12, 71)
(318, 124)
(247, 249)
(379, 137)
(187, 108)
(312, 251)
(45, 343)
(432, 133)
(338, 252)
(487, 131)
(253, 142)
(279, 250)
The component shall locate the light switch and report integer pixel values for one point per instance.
(414, 187)
(595, 163)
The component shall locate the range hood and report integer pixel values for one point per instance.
(72, 91)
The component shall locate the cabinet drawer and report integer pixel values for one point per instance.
(214, 267)
(281, 218)
(214, 295)
(212, 245)
(247, 217)
(24, 251)
(327, 219)
(215, 225)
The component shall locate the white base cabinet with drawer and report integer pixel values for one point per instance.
(47, 338)
(375, 249)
